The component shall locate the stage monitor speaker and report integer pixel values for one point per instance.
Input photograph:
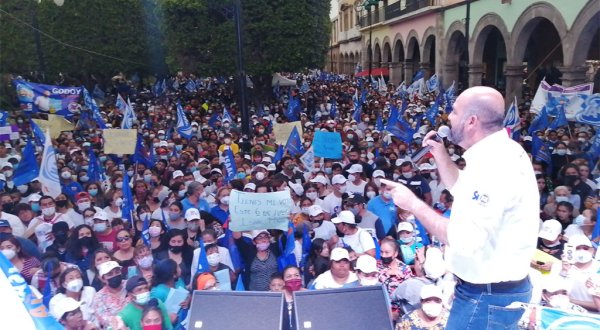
(238, 310)
(352, 308)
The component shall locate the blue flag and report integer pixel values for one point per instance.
(128, 116)
(513, 121)
(306, 243)
(141, 153)
(146, 231)
(212, 122)
(356, 115)
(203, 266)
(402, 130)
(433, 84)
(228, 242)
(278, 154)
(28, 168)
(90, 103)
(226, 116)
(39, 135)
(98, 93)
(379, 125)
(294, 144)
(230, 167)
(433, 110)
(560, 120)
(304, 88)
(191, 86)
(293, 108)
(127, 207)
(47, 292)
(287, 257)
(164, 219)
(3, 117)
(95, 171)
(183, 124)
(419, 75)
(450, 96)
(239, 285)
(276, 91)
(333, 110)
(539, 123)
(539, 150)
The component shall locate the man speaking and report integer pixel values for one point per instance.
(492, 231)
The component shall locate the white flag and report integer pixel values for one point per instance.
(48, 170)
(308, 159)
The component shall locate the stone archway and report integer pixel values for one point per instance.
(377, 56)
(352, 64)
(397, 69)
(455, 56)
(413, 56)
(583, 44)
(479, 71)
(428, 61)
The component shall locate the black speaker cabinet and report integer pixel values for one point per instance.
(236, 310)
(349, 309)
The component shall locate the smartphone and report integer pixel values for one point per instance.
(569, 251)
(541, 263)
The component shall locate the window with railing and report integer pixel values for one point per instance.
(394, 10)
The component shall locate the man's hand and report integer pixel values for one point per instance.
(402, 196)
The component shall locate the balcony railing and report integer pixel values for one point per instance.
(394, 10)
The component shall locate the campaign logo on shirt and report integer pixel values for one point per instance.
(482, 199)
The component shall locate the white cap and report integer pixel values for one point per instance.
(297, 188)
(261, 166)
(177, 174)
(434, 265)
(553, 283)
(216, 170)
(272, 167)
(192, 214)
(250, 186)
(378, 174)
(315, 210)
(34, 198)
(338, 254)
(345, 217)
(579, 240)
(266, 159)
(255, 233)
(550, 230)
(101, 215)
(405, 226)
(431, 290)
(202, 160)
(63, 306)
(106, 267)
(270, 153)
(426, 167)
(319, 179)
(366, 264)
(355, 168)
(338, 179)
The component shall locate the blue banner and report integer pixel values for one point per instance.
(58, 100)
(230, 166)
(328, 145)
(557, 319)
(38, 312)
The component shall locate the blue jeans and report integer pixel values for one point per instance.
(479, 307)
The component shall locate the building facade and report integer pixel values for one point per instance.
(510, 44)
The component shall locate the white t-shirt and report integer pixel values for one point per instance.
(111, 215)
(326, 281)
(360, 241)
(577, 279)
(18, 228)
(87, 295)
(45, 227)
(332, 204)
(359, 189)
(223, 254)
(325, 231)
(436, 187)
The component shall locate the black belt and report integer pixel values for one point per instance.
(494, 287)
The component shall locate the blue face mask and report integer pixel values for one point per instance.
(406, 240)
(35, 207)
(93, 192)
(579, 220)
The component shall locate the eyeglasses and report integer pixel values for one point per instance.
(123, 239)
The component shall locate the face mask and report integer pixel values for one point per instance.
(192, 226)
(9, 253)
(74, 285)
(176, 249)
(561, 152)
(561, 199)
(147, 178)
(368, 281)
(292, 285)
(65, 175)
(406, 240)
(317, 223)
(23, 188)
(579, 220)
(115, 281)
(100, 227)
(291, 167)
(432, 309)
(61, 203)
(82, 206)
(434, 175)
(225, 200)
(407, 175)
(387, 260)
(559, 301)
(142, 298)
(118, 202)
(451, 151)
(262, 246)
(351, 177)
(259, 176)
(312, 195)
(146, 262)
(387, 195)
(154, 231)
(342, 189)
(49, 211)
(213, 259)
(174, 216)
(119, 185)
(305, 210)
(371, 194)
(84, 178)
(396, 176)
(93, 192)
(582, 256)
(35, 207)
(328, 170)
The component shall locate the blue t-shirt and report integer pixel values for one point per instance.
(72, 189)
(385, 211)
(201, 206)
(220, 214)
(409, 252)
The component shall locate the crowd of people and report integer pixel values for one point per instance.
(101, 272)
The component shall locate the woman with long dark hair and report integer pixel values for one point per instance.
(80, 247)
(318, 260)
(178, 251)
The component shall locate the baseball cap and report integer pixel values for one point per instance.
(315, 210)
(355, 168)
(34, 198)
(255, 233)
(134, 282)
(550, 230)
(405, 226)
(250, 186)
(106, 267)
(319, 179)
(378, 174)
(338, 179)
(579, 240)
(297, 188)
(431, 290)
(216, 170)
(272, 167)
(553, 283)
(366, 264)
(192, 214)
(356, 199)
(4, 223)
(65, 305)
(177, 174)
(101, 215)
(338, 254)
(345, 217)
(82, 194)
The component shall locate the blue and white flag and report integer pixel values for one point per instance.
(28, 168)
(48, 170)
(540, 150)
(572, 98)
(401, 90)
(121, 104)
(304, 88)
(294, 144)
(128, 116)
(191, 86)
(146, 230)
(561, 118)
(3, 117)
(95, 170)
(39, 135)
(357, 114)
(416, 88)
(450, 96)
(589, 112)
(379, 124)
(127, 207)
(183, 124)
(382, 86)
(90, 103)
(293, 109)
(419, 75)
(512, 120)
(554, 319)
(203, 266)
(226, 116)
(539, 123)
(60, 100)
(278, 154)
(230, 167)
(433, 84)
(433, 110)
(308, 159)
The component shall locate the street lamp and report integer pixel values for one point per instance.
(367, 4)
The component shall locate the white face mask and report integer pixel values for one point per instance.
(351, 177)
(154, 231)
(225, 200)
(559, 301)
(342, 189)
(83, 205)
(146, 262)
(65, 175)
(142, 298)
(366, 281)
(377, 182)
(371, 194)
(407, 175)
(9, 253)
(582, 256)
(213, 259)
(259, 176)
(561, 199)
(432, 309)
(434, 175)
(74, 285)
(49, 211)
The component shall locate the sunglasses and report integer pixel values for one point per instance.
(123, 239)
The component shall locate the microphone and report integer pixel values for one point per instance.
(441, 133)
